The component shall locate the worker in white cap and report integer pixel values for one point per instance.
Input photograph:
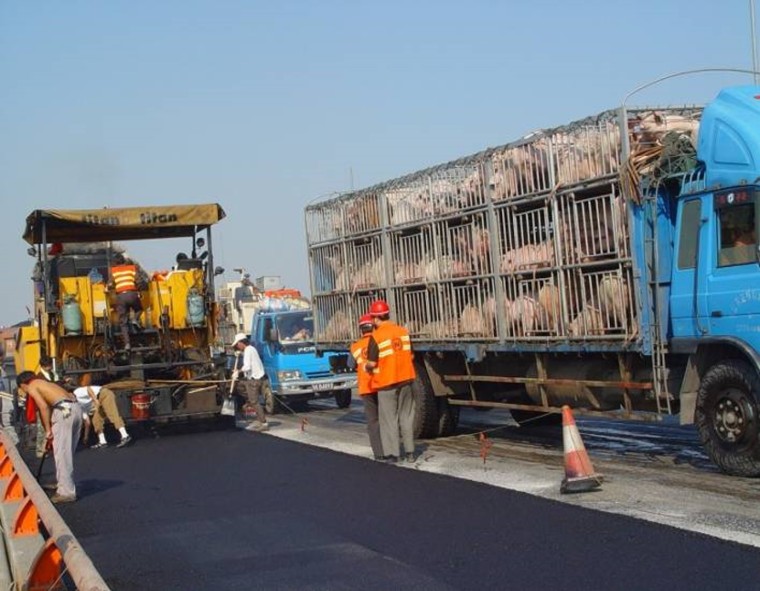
(249, 378)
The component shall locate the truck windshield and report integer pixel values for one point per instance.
(295, 329)
(738, 243)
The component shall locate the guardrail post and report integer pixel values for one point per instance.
(47, 569)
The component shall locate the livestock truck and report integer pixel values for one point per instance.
(175, 367)
(610, 264)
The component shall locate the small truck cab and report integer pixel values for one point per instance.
(294, 371)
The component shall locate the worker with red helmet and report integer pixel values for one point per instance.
(391, 363)
(363, 378)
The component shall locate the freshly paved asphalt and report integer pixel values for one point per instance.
(237, 510)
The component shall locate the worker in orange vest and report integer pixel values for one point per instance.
(368, 394)
(391, 363)
(124, 281)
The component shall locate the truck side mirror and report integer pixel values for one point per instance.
(218, 271)
(272, 335)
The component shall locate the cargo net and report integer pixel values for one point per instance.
(662, 144)
(449, 311)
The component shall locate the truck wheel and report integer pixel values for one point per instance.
(448, 417)
(343, 398)
(270, 403)
(727, 417)
(425, 406)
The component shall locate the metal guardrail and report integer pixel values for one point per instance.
(39, 546)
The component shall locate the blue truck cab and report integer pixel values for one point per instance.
(703, 281)
(294, 370)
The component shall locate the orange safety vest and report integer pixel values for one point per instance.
(359, 353)
(395, 363)
(125, 278)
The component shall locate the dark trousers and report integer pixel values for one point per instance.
(126, 301)
(373, 423)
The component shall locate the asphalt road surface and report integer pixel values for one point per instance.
(230, 509)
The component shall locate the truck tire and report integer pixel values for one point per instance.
(343, 398)
(271, 407)
(727, 417)
(425, 406)
(448, 417)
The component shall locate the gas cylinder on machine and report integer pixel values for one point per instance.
(72, 316)
(196, 308)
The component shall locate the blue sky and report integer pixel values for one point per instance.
(264, 106)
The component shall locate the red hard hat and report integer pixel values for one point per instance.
(379, 308)
(365, 319)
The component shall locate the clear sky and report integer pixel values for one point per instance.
(264, 106)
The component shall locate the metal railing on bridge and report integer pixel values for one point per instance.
(38, 550)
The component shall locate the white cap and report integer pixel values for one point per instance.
(239, 337)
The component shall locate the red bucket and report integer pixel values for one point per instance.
(140, 406)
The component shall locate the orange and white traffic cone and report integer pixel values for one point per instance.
(579, 473)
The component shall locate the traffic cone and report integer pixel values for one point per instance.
(579, 473)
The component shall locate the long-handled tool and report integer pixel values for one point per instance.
(42, 463)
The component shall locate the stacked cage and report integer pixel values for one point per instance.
(528, 242)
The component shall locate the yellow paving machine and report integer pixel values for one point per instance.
(175, 365)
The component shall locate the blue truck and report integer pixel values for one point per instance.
(294, 371)
(610, 264)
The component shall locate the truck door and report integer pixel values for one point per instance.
(687, 297)
(733, 278)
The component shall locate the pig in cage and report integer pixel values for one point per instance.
(531, 307)
(520, 170)
(526, 237)
(585, 152)
(600, 304)
(324, 221)
(414, 256)
(329, 269)
(418, 309)
(464, 309)
(456, 188)
(594, 228)
(365, 263)
(333, 320)
(464, 247)
(409, 201)
(361, 213)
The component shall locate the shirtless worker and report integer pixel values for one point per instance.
(61, 418)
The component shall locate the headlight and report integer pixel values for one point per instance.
(292, 374)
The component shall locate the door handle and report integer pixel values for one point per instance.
(716, 314)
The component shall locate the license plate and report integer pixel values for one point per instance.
(323, 387)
